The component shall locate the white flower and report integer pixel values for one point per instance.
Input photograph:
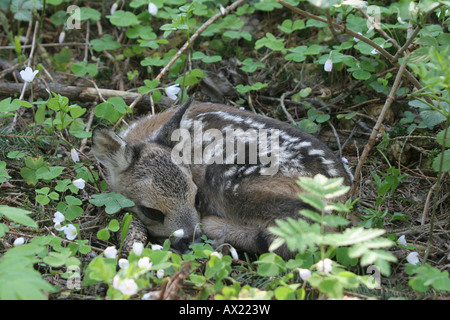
(374, 51)
(215, 253)
(127, 286)
(19, 241)
(325, 265)
(344, 160)
(70, 231)
(62, 36)
(144, 263)
(172, 91)
(79, 183)
(304, 274)
(178, 233)
(328, 65)
(113, 8)
(59, 217)
(152, 9)
(74, 155)
(234, 253)
(123, 263)
(116, 282)
(413, 258)
(58, 226)
(222, 10)
(355, 3)
(156, 247)
(402, 240)
(138, 247)
(160, 273)
(146, 296)
(28, 74)
(356, 39)
(110, 252)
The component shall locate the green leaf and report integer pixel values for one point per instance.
(446, 163)
(103, 234)
(313, 201)
(440, 138)
(18, 215)
(122, 18)
(107, 43)
(113, 201)
(270, 42)
(89, 14)
(114, 225)
(270, 265)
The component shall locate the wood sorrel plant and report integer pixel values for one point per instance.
(299, 235)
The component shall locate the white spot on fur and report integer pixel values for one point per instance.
(316, 152)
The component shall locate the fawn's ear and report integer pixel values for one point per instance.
(164, 134)
(110, 149)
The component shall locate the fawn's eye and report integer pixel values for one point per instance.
(197, 200)
(152, 214)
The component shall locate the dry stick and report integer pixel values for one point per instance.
(376, 128)
(378, 28)
(185, 46)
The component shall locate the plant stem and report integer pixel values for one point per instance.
(435, 204)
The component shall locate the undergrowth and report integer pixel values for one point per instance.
(325, 64)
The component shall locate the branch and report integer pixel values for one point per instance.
(376, 128)
(77, 93)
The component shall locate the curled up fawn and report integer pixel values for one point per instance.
(213, 169)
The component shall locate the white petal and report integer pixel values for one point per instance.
(156, 247)
(144, 263)
(70, 232)
(160, 273)
(123, 263)
(110, 252)
(19, 241)
(413, 258)
(127, 286)
(328, 66)
(402, 240)
(152, 9)
(74, 155)
(138, 247)
(79, 183)
(304, 274)
(59, 217)
(178, 233)
(172, 91)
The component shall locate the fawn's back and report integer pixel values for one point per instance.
(229, 170)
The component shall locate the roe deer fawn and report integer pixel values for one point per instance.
(188, 168)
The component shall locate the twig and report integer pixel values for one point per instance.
(427, 202)
(376, 128)
(185, 46)
(378, 28)
(291, 120)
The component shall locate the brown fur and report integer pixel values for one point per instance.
(234, 203)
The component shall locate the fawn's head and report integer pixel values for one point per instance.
(163, 192)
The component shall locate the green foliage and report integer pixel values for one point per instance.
(147, 48)
(425, 276)
(112, 201)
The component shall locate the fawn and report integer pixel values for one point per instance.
(188, 168)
